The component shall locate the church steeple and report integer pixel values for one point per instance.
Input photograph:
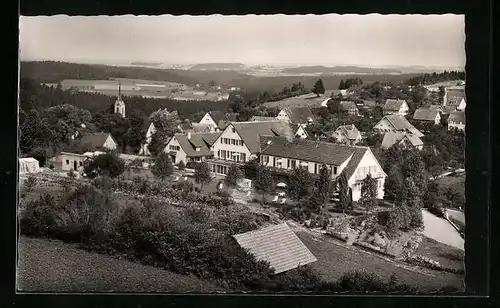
(120, 104)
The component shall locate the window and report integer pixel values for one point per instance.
(243, 157)
(81, 164)
(234, 130)
(233, 141)
(174, 148)
(315, 168)
(293, 163)
(265, 159)
(67, 161)
(335, 170)
(274, 161)
(222, 154)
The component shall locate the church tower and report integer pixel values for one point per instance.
(120, 104)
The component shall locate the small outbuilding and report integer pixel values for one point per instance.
(28, 165)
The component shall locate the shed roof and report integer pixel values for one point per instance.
(278, 245)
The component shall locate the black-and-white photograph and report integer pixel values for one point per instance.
(242, 153)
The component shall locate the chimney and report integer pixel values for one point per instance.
(189, 135)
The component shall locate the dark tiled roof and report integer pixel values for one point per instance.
(96, 140)
(299, 114)
(201, 128)
(259, 118)
(457, 116)
(278, 245)
(353, 163)
(186, 126)
(393, 104)
(307, 150)
(349, 131)
(391, 138)
(425, 114)
(453, 97)
(346, 105)
(401, 123)
(201, 140)
(250, 132)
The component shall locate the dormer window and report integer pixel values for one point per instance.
(234, 130)
(198, 149)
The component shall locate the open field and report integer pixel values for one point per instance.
(334, 259)
(452, 181)
(53, 266)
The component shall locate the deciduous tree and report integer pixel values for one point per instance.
(264, 181)
(108, 164)
(202, 174)
(369, 192)
(233, 175)
(163, 166)
(345, 198)
(301, 183)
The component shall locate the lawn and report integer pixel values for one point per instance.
(335, 259)
(457, 181)
(447, 256)
(53, 266)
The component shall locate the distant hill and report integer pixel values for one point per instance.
(146, 63)
(338, 69)
(217, 66)
(54, 72)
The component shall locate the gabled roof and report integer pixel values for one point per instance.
(259, 118)
(454, 97)
(96, 140)
(278, 245)
(200, 128)
(349, 131)
(391, 138)
(299, 114)
(353, 163)
(218, 116)
(197, 140)
(185, 126)
(307, 150)
(393, 104)
(400, 123)
(457, 116)
(425, 114)
(346, 105)
(250, 132)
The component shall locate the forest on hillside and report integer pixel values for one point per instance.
(33, 95)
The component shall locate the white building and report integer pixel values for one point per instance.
(282, 155)
(28, 165)
(191, 147)
(296, 115)
(456, 120)
(396, 123)
(347, 134)
(396, 106)
(120, 104)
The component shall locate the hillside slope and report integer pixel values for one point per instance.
(57, 267)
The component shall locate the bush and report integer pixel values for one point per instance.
(357, 281)
(181, 165)
(141, 185)
(439, 212)
(38, 217)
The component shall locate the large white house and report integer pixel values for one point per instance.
(396, 123)
(216, 119)
(239, 142)
(191, 147)
(282, 155)
(396, 106)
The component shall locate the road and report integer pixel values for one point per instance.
(441, 230)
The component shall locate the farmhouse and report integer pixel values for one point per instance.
(347, 134)
(239, 142)
(456, 120)
(278, 245)
(98, 141)
(396, 106)
(296, 115)
(191, 147)
(396, 123)
(427, 114)
(456, 98)
(282, 155)
(349, 108)
(402, 139)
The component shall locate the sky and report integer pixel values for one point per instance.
(364, 40)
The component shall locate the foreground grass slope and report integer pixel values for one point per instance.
(53, 266)
(335, 259)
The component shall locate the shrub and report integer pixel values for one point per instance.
(439, 212)
(38, 217)
(141, 185)
(357, 281)
(181, 165)
(105, 164)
